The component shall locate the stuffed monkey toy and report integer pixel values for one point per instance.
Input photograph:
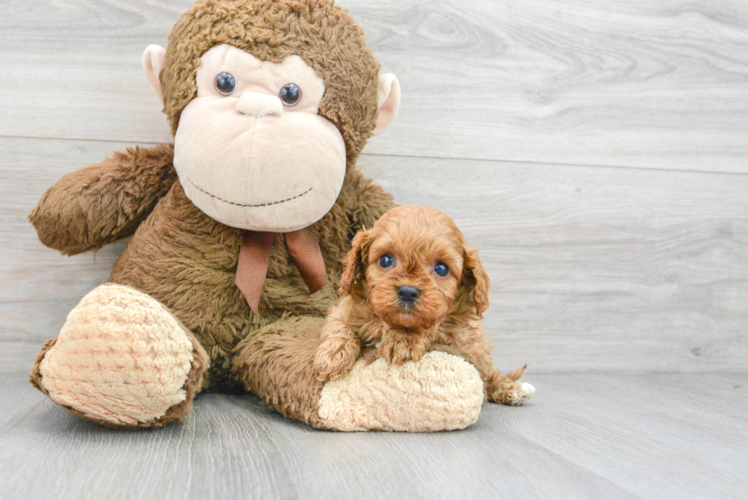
(239, 230)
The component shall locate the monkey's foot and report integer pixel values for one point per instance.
(122, 360)
(440, 392)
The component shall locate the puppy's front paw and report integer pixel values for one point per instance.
(396, 349)
(335, 358)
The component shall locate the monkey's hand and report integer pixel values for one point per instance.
(104, 202)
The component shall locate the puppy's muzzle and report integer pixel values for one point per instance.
(408, 294)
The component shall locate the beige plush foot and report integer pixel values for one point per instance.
(440, 392)
(122, 359)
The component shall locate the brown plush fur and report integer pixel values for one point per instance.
(185, 259)
(281, 355)
(448, 310)
(105, 202)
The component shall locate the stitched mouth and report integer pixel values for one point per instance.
(248, 205)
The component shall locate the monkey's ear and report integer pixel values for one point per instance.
(354, 275)
(154, 60)
(388, 101)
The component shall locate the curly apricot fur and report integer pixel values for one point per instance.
(447, 312)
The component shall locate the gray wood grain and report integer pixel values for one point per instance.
(626, 83)
(18, 401)
(583, 436)
(593, 268)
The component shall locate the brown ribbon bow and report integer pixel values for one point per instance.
(254, 258)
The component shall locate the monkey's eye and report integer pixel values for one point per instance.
(290, 94)
(225, 83)
(441, 269)
(386, 261)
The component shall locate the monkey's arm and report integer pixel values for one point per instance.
(104, 202)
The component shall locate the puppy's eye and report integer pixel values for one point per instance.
(225, 83)
(386, 261)
(290, 94)
(441, 269)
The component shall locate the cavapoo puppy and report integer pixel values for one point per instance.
(412, 285)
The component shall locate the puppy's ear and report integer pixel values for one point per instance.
(354, 275)
(475, 279)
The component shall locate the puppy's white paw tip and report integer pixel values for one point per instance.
(526, 392)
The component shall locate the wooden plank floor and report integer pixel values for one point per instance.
(596, 151)
(584, 436)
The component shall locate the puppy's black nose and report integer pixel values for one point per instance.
(408, 294)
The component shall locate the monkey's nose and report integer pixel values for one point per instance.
(259, 104)
(408, 294)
